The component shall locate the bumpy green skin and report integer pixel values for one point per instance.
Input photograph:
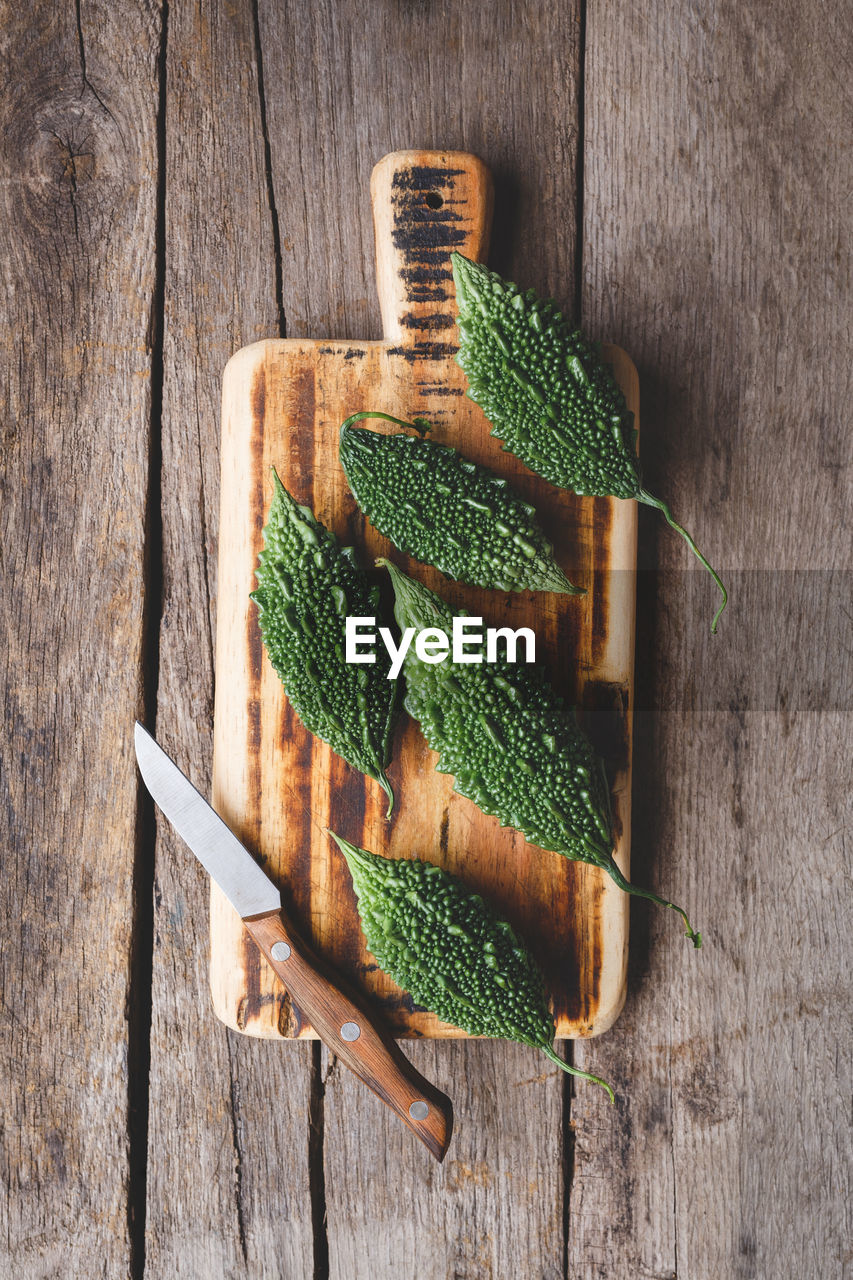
(549, 395)
(449, 950)
(511, 744)
(446, 511)
(307, 585)
(543, 387)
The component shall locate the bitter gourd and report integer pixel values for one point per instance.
(548, 394)
(446, 511)
(451, 952)
(307, 585)
(511, 744)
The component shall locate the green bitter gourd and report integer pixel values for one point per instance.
(548, 394)
(447, 511)
(511, 744)
(451, 952)
(307, 585)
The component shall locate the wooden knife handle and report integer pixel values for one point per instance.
(343, 1023)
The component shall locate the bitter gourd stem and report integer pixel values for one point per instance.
(610, 866)
(417, 424)
(651, 501)
(386, 787)
(601, 858)
(576, 1071)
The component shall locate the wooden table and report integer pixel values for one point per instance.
(181, 180)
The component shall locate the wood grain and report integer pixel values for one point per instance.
(714, 250)
(495, 1206)
(217, 1202)
(502, 83)
(279, 787)
(346, 85)
(78, 153)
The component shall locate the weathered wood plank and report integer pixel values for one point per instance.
(729, 1154)
(714, 169)
(79, 163)
(495, 1206)
(228, 1183)
(345, 85)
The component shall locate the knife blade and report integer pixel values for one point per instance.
(337, 1014)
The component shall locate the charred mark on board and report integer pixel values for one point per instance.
(417, 213)
(351, 353)
(434, 320)
(414, 238)
(424, 351)
(605, 706)
(422, 293)
(424, 177)
(425, 275)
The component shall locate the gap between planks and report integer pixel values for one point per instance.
(142, 934)
(316, 1118)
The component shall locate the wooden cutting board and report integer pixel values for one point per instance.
(277, 786)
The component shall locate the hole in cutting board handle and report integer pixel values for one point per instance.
(434, 200)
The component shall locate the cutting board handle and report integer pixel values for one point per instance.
(426, 204)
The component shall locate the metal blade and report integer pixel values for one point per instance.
(218, 850)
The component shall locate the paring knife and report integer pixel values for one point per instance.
(340, 1018)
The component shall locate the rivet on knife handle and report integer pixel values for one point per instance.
(344, 1024)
